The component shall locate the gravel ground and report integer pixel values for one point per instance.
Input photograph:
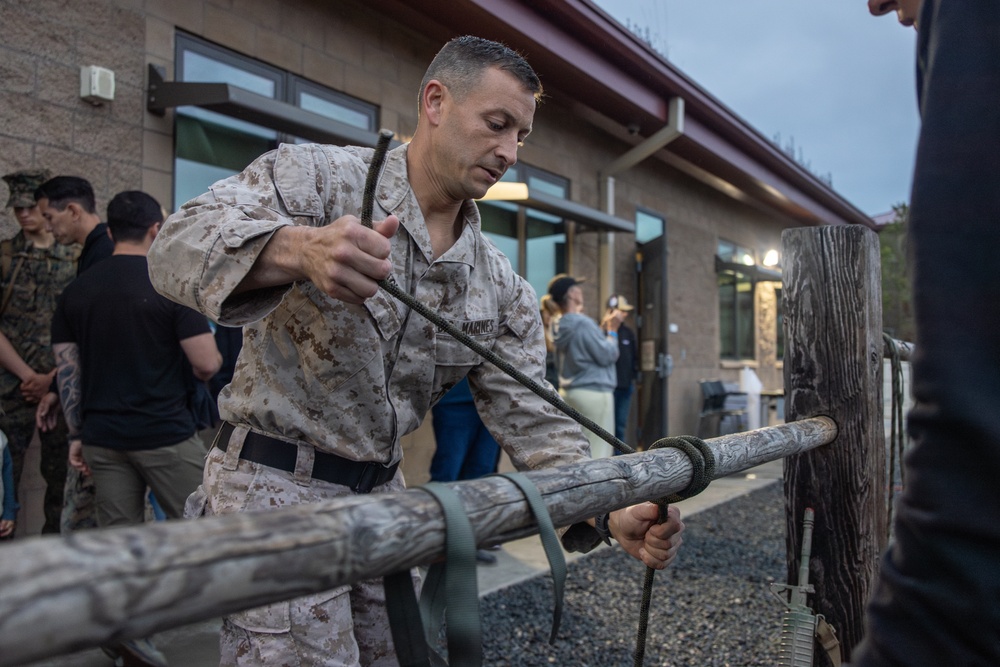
(711, 608)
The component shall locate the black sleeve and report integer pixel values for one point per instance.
(935, 600)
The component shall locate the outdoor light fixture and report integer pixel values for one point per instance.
(771, 257)
(506, 191)
(511, 191)
(747, 259)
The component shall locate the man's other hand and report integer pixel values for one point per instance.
(637, 530)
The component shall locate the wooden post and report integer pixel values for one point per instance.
(833, 367)
(61, 594)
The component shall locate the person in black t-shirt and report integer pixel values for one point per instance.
(119, 348)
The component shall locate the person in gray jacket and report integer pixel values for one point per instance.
(585, 358)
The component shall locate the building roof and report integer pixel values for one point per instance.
(622, 85)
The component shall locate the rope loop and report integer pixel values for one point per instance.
(702, 468)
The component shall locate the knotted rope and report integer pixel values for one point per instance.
(702, 472)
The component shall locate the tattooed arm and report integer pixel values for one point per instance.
(68, 379)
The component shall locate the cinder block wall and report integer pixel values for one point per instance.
(43, 121)
(349, 47)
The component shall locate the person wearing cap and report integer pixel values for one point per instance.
(34, 269)
(627, 366)
(585, 359)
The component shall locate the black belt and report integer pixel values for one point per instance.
(361, 476)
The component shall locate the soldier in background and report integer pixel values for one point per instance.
(34, 269)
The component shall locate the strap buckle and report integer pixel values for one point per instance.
(372, 474)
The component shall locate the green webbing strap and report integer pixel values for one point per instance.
(404, 620)
(433, 601)
(550, 541)
(461, 588)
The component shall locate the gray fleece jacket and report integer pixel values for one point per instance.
(585, 356)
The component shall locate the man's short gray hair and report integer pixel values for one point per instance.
(460, 63)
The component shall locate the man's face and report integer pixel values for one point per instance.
(60, 223)
(481, 132)
(30, 219)
(906, 10)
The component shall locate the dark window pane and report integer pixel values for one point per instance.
(727, 315)
(744, 316)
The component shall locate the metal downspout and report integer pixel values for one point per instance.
(673, 129)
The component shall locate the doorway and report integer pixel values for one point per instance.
(655, 363)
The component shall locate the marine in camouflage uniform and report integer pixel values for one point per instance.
(349, 377)
(31, 279)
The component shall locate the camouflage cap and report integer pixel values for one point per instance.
(23, 184)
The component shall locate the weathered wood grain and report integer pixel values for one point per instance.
(64, 594)
(833, 366)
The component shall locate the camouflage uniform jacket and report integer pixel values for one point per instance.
(353, 379)
(41, 275)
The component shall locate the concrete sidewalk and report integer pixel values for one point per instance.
(196, 645)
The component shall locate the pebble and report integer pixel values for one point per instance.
(711, 608)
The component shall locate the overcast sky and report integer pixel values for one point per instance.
(829, 76)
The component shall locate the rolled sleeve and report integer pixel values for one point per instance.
(206, 249)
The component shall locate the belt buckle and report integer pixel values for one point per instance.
(369, 477)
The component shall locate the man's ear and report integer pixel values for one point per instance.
(432, 99)
(153, 230)
(75, 209)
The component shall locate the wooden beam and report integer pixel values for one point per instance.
(63, 594)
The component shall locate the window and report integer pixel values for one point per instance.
(736, 301)
(647, 226)
(533, 241)
(211, 146)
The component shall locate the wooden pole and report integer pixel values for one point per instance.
(62, 594)
(833, 367)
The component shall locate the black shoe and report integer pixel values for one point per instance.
(485, 557)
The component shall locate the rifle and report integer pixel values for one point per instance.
(799, 624)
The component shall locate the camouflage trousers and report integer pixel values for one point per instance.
(79, 509)
(18, 423)
(343, 627)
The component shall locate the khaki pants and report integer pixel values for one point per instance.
(121, 478)
(600, 407)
